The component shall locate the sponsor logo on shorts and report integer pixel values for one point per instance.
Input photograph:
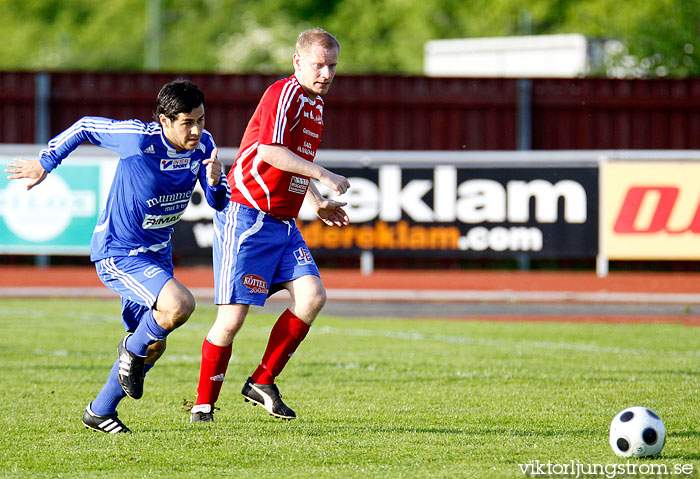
(298, 185)
(151, 271)
(177, 164)
(303, 256)
(154, 222)
(255, 283)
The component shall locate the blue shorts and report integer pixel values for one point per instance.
(253, 253)
(138, 280)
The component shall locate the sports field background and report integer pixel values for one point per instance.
(379, 392)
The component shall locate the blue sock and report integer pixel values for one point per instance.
(107, 400)
(147, 333)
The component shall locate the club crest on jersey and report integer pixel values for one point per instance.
(194, 167)
(255, 283)
(175, 164)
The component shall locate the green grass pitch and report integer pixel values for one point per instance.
(387, 398)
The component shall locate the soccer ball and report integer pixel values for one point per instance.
(637, 432)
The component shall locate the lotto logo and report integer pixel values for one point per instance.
(303, 257)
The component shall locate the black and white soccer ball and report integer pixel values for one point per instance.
(637, 432)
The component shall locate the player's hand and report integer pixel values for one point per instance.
(214, 168)
(338, 183)
(21, 168)
(332, 213)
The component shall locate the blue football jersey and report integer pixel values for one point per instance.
(151, 188)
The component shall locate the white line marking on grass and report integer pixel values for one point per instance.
(62, 352)
(471, 296)
(44, 314)
(500, 342)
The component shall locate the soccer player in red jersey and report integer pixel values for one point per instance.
(258, 249)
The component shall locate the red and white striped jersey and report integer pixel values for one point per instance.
(284, 116)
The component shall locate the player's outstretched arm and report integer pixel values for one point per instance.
(21, 168)
(330, 212)
(286, 160)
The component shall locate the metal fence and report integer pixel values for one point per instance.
(386, 112)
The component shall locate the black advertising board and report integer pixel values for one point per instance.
(444, 211)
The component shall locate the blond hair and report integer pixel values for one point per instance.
(315, 36)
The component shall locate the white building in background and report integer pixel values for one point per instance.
(562, 56)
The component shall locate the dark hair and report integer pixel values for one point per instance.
(178, 96)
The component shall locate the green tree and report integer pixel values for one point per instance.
(659, 38)
(66, 34)
(642, 38)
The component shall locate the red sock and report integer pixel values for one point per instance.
(285, 337)
(212, 371)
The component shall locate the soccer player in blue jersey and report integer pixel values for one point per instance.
(159, 166)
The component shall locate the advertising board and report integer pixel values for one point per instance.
(56, 217)
(445, 210)
(651, 210)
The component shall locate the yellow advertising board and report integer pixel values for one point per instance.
(650, 211)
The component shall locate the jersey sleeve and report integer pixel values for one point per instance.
(278, 109)
(112, 134)
(217, 196)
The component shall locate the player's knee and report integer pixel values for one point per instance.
(229, 320)
(316, 301)
(174, 305)
(309, 297)
(183, 310)
(228, 330)
(320, 298)
(175, 312)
